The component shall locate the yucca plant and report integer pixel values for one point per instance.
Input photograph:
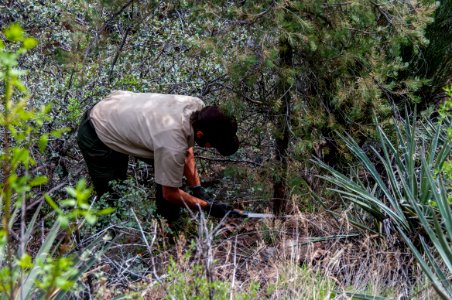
(46, 275)
(412, 192)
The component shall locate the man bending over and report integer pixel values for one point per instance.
(160, 130)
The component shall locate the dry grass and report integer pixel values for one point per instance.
(307, 256)
(285, 259)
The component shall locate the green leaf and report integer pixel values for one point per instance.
(20, 155)
(52, 203)
(3, 235)
(71, 191)
(81, 184)
(42, 142)
(63, 221)
(19, 85)
(30, 43)
(14, 33)
(91, 219)
(84, 206)
(38, 180)
(58, 132)
(106, 211)
(64, 284)
(26, 262)
(68, 202)
(9, 59)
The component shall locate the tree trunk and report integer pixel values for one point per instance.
(281, 135)
(439, 51)
(437, 56)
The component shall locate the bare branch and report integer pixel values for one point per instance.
(236, 161)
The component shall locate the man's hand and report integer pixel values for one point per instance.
(200, 193)
(219, 210)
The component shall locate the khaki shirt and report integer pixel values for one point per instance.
(152, 126)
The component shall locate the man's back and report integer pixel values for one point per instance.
(140, 123)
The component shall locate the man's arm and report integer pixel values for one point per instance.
(190, 171)
(179, 197)
(193, 180)
(182, 199)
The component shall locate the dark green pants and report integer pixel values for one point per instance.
(105, 164)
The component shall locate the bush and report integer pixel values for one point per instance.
(49, 272)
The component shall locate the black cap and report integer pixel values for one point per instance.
(220, 130)
(227, 146)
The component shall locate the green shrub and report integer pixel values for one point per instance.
(44, 274)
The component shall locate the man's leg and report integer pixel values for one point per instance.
(104, 164)
(165, 209)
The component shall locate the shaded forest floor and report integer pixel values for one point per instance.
(303, 255)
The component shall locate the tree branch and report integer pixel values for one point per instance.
(95, 39)
(118, 52)
(228, 160)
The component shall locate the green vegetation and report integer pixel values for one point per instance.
(345, 132)
(413, 192)
(22, 275)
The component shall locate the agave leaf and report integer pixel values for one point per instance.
(445, 210)
(84, 266)
(411, 154)
(430, 260)
(344, 182)
(434, 145)
(442, 156)
(411, 184)
(359, 296)
(354, 147)
(443, 280)
(438, 235)
(10, 225)
(445, 252)
(394, 183)
(436, 282)
(32, 222)
(13, 217)
(378, 204)
(426, 192)
(28, 287)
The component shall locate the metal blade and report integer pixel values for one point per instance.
(253, 215)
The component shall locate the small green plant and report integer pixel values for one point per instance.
(194, 284)
(44, 274)
(301, 282)
(128, 194)
(74, 110)
(77, 205)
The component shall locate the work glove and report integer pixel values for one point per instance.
(199, 192)
(219, 210)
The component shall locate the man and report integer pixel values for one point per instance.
(161, 130)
